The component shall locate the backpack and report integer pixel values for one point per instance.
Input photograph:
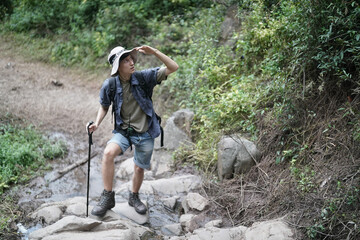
(139, 77)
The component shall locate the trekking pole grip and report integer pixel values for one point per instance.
(90, 134)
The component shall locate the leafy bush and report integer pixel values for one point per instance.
(6, 7)
(23, 153)
(84, 31)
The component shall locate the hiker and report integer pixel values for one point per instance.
(135, 119)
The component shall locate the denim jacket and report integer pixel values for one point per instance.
(140, 96)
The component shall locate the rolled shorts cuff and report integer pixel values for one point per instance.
(143, 166)
(124, 145)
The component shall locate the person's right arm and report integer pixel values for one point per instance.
(100, 116)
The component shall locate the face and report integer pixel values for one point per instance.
(127, 66)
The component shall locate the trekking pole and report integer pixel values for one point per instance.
(88, 175)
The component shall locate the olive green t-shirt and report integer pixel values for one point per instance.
(131, 112)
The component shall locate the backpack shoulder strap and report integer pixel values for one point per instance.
(112, 86)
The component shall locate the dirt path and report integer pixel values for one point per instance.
(31, 91)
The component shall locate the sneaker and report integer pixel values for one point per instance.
(107, 201)
(135, 202)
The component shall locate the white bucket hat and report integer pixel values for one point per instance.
(115, 55)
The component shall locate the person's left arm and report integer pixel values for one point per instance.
(171, 65)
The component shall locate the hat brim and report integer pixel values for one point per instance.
(115, 66)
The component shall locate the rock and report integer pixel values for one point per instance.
(235, 155)
(126, 169)
(195, 223)
(172, 229)
(269, 230)
(166, 186)
(111, 226)
(213, 233)
(196, 201)
(230, 25)
(186, 221)
(177, 130)
(68, 223)
(215, 223)
(137, 230)
(170, 202)
(10, 65)
(124, 209)
(77, 209)
(50, 214)
(65, 203)
(56, 83)
(161, 163)
(119, 230)
(185, 218)
(184, 205)
(21, 229)
(109, 216)
(183, 119)
(118, 234)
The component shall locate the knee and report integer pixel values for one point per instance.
(109, 155)
(138, 170)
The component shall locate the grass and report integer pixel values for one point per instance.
(24, 152)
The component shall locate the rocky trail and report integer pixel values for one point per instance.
(60, 102)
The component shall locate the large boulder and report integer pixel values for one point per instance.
(161, 163)
(72, 227)
(66, 224)
(126, 169)
(270, 230)
(236, 155)
(124, 209)
(51, 212)
(177, 130)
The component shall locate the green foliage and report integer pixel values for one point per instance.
(82, 32)
(304, 176)
(6, 7)
(305, 47)
(23, 153)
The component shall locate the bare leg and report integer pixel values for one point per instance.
(138, 178)
(111, 151)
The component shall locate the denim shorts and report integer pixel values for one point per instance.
(144, 146)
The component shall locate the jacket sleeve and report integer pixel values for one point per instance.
(150, 77)
(104, 94)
